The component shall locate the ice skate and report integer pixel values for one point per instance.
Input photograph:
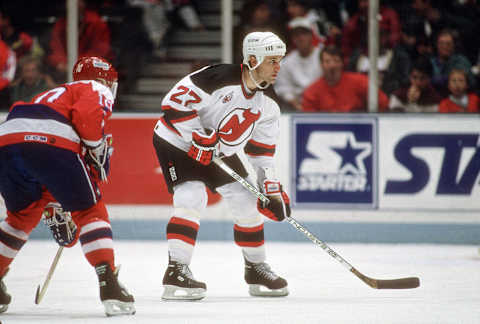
(179, 283)
(5, 298)
(263, 281)
(114, 296)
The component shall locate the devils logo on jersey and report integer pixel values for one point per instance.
(237, 126)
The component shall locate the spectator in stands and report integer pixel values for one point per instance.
(8, 65)
(335, 13)
(256, 15)
(31, 80)
(459, 100)
(419, 95)
(324, 30)
(355, 31)
(94, 40)
(186, 11)
(159, 16)
(447, 59)
(154, 19)
(128, 33)
(416, 43)
(466, 13)
(339, 91)
(21, 42)
(393, 63)
(301, 67)
(423, 19)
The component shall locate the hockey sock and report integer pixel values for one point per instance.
(251, 240)
(11, 241)
(181, 236)
(95, 234)
(97, 243)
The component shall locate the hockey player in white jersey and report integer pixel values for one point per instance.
(217, 112)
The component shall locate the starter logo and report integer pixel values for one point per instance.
(455, 173)
(335, 164)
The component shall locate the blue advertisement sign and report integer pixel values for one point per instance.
(335, 161)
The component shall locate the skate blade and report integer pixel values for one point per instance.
(262, 291)
(115, 307)
(179, 293)
(3, 308)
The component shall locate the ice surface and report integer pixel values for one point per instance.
(321, 290)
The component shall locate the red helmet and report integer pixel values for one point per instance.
(94, 68)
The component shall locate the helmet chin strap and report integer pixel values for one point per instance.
(255, 81)
(114, 89)
(111, 85)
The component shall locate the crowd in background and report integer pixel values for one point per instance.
(428, 55)
(33, 43)
(428, 58)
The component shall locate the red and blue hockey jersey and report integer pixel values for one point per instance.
(67, 117)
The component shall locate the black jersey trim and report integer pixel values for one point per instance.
(259, 149)
(173, 115)
(217, 76)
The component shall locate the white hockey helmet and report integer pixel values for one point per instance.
(261, 44)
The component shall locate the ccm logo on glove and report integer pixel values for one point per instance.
(279, 206)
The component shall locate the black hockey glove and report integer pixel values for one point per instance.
(98, 158)
(279, 206)
(61, 225)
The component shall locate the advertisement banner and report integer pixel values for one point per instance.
(429, 162)
(334, 161)
(135, 175)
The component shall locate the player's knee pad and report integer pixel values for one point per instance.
(242, 204)
(190, 195)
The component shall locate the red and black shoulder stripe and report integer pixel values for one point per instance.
(255, 148)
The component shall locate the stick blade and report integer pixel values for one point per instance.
(38, 298)
(401, 283)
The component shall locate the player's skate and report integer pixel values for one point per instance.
(179, 283)
(263, 281)
(115, 298)
(5, 298)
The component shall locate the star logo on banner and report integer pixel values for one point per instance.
(353, 154)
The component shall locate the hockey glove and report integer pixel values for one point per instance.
(279, 206)
(61, 225)
(203, 146)
(98, 158)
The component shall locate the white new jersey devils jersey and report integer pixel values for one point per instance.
(214, 97)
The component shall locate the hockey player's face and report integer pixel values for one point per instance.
(268, 70)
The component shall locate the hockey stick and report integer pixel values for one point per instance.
(41, 291)
(401, 283)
